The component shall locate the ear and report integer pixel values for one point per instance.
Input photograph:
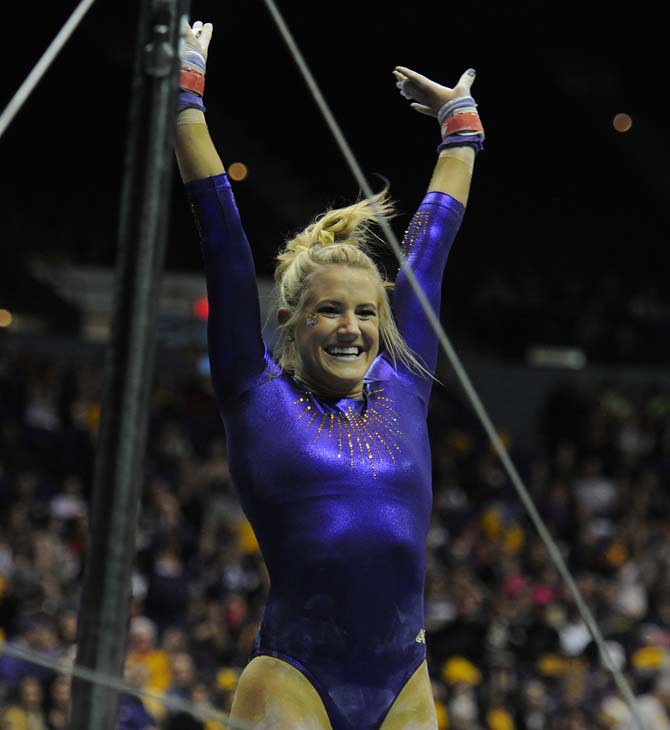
(283, 315)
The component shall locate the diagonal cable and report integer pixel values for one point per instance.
(89, 675)
(40, 68)
(462, 375)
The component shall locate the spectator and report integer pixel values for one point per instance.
(58, 705)
(35, 634)
(182, 675)
(133, 712)
(534, 709)
(147, 665)
(25, 712)
(654, 705)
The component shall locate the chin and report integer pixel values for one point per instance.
(346, 371)
(344, 382)
(337, 378)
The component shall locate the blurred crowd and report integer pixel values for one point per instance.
(611, 316)
(507, 646)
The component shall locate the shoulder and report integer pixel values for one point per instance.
(384, 372)
(271, 385)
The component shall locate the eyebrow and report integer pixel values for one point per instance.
(337, 301)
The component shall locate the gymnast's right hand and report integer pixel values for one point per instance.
(197, 38)
(193, 60)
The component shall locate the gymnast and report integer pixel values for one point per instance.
(327, 436)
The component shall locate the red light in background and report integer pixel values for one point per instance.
(201, 308)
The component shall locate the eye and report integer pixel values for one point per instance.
(367, 313)
(328, 310)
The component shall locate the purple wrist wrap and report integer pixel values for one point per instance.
(476, 141)
(194, 60)
(189, 100)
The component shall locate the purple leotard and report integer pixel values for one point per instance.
(338, 492)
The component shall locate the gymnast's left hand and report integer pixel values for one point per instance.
(427, 96)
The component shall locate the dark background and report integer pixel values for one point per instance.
(566, 238)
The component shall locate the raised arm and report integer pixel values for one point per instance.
(196, 155)
(236, 349)
(432, 230)
(460, 126)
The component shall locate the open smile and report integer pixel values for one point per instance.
(350, 352)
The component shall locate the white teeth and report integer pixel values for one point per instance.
(342, 350)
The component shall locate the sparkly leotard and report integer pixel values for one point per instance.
(338, 493)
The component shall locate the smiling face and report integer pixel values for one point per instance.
(337, 333)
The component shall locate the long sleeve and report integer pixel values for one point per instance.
(426, 246)
(236, 348)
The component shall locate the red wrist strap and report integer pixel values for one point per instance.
(191, 80)
(464, 122)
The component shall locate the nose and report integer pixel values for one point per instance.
(348, 325)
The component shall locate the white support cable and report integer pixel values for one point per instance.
(40, 68)
(462, 375)
(89, 675)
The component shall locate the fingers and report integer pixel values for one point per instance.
(411, 84)
(198, 36)
(413, 76)
(402, 82)
(206, 35)
(423, 109)
(467, 79)
(189, 36)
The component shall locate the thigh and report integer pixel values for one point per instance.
(414, 707)
(272, 692)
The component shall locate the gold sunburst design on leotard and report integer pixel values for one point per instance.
(366, 437)
(417, 228)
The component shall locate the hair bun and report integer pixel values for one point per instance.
(326, 237)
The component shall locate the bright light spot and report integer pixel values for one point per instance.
(622, 122)
(237, 171)
(201, 308)
(569, 358)
(5, 318)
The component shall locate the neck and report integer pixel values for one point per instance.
(329, 393)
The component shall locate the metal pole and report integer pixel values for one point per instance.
(105, 601)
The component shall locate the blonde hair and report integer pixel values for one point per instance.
(338, 236)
